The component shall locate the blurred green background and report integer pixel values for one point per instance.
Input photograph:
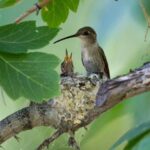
(121, 28)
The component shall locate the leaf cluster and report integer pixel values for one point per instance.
(24, 71)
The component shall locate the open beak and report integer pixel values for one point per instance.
(68, 37)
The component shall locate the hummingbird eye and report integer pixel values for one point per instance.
(86, 33)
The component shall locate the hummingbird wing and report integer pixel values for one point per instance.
(97, 62)
(103, 58)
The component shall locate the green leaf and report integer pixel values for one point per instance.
(57, 11)
(132, 135)
(7, 3)
(29, 75)
(24, 36)
(132, 143)
(72, 4)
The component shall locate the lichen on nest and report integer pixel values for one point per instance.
(76, 99)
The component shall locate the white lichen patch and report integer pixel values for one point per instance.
(77, 98)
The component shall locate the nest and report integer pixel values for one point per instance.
(77, 99)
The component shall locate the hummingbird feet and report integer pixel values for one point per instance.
(94, 78)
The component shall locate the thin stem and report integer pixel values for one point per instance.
(48, 141)
(146, 17)
(31, 10)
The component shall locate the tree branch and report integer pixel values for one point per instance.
(33, 9)
(118, 89)
(77, 107)
(28, 118)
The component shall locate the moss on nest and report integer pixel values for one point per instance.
(77, 98)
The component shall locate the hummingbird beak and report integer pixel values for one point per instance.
(68, 37)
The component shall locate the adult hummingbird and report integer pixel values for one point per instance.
(93, 56)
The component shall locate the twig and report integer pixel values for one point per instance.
(146, 17)
(48, 141)
(72, 141)
(33, 9)
(17, 138)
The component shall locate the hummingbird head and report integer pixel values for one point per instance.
(86, 34)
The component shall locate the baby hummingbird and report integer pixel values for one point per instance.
(67, 68)
(93, 56)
